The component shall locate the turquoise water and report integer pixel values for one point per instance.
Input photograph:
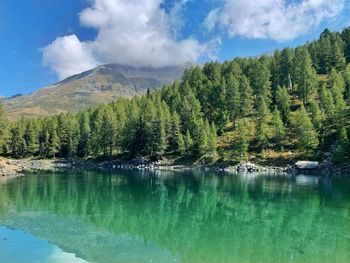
(174, 217)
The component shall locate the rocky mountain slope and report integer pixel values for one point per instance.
(100, 85)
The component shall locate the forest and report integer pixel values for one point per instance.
(293, 103)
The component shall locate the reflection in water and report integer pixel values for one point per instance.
(183, 217)
(307, 180)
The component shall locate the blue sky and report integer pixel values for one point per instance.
(45, 41)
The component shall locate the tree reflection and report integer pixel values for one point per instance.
(198, 217)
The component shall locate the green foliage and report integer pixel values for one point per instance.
(283, 102)
(3, 128)
(278, 128)
(262, 123)
(218, 105)
(304, 75)
(304, 129)
(241, 144)
(342, 153)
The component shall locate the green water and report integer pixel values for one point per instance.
(174, 217)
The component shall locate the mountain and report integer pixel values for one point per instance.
(99, 85)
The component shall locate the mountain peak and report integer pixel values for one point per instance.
(102, 84)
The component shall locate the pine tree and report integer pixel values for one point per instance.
(307, 136)
(177, 142)
(346, 77)
(317, 117)
(181, 146)
(53, 144)
(3, 128)
(83, 149)
(246, 98)
(259, 77)
(18, 143)
(338, 60)
(282, 68)
(241, 144)
(96, 127)
(212, 143)
(203, 140)
(305, 76)
(346, 38)
(283, 102)
(342, 153)
(327, 101)
(67, 134)
(159, 136)
(262, 123)
(278, 128)
(233, 98)
(31, 139)
(108, 132)
(188, 142)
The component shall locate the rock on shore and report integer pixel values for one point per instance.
(8, 168)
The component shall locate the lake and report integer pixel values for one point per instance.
(134, 216)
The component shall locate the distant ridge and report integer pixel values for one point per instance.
(102, 84)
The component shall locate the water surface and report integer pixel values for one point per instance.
(164, 217)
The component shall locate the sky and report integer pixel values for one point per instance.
(45, 41)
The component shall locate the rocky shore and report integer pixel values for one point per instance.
(10, 167)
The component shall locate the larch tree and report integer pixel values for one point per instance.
(305, 131)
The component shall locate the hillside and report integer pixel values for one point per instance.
(100, 85)
(276, 109)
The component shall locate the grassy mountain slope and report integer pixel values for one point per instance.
(100, 85)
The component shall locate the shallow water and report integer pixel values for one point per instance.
(174, 217)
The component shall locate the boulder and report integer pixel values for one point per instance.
(306, 165)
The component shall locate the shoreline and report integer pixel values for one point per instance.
(18, 167)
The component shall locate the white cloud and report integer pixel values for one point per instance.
(272, 19)
(68, 56)
(129, 32)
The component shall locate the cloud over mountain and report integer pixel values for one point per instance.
(130, 32)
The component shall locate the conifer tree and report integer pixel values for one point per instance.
(83, 149)
(233, 98)
(246, 98)
(283, 102)
(346, 38)
(3, 128)
(305, 76)
(259, 78)
(96, 127)
(278, 128)
(31, 138)
(241, 144)
(327, 101)
(212, 142)
(342, 153)
(158, 136)
(304, 129)
(53, 144)
(338, 59)
(67, 134)
(177, 142)
(181, 146)
(108, 132)
(346, 77)
(262, 123)
(188, 142)
(18, 143)
(203, 139)
(317, 117)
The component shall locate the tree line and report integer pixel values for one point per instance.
(296, 100)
